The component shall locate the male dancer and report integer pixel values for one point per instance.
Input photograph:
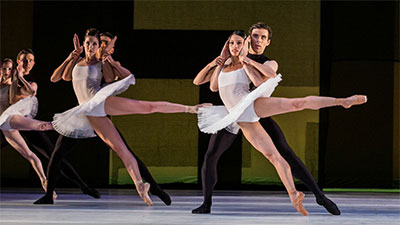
(65, 145)
(260, 34)
(39, 140)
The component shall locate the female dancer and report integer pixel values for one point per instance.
(17, 116)
(96, 102)
(232, 78)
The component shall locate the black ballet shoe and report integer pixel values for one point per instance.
(203, 209)
(91, 192)
(45, 200)
(330, 206)
(162, 195)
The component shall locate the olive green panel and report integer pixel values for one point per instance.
(396, 128)
(301, 132)
(167, 143)
(295, 25)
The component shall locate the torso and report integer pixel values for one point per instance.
(86, 80)
(233, 86)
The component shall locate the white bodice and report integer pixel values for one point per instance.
(233, 86)
(86, 81)
(4, 97)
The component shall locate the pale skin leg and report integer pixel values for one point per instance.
(124, 106)
(261, 141)
(16, 141)
(23, 123)
(269, 106)
(108, 133)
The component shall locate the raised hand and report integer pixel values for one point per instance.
(77, 46)
(20, 69)
(245, 50)
(225, 51)
(110, 45)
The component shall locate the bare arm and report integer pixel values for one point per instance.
(205, 74)
(214, 79)
(116, 69)
(17, 93)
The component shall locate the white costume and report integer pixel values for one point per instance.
(238, 100)
(91, 97)
(25, 107)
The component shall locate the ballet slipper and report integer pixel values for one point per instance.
(143, 191)
(296, 198)
(354, 100)
(195, 109)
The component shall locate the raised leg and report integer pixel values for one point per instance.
(23, 123)
(269, 106)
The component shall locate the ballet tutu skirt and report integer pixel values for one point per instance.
(211, 119)
(74, 123)
(25, 107)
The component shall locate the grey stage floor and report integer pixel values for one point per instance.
(230, 207)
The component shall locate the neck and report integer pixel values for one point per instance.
(235, 60)
(90, 58)
(251, 51)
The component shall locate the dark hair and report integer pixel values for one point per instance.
(261, 25)
(107, 34)
(6, 60)
(24, 52)
(92, 32)
(239, 33)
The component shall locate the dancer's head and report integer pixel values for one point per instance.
(91, 42)
(27, 57)
(6, 67)
(260, 34)
(236, 42)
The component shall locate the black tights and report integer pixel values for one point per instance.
(221, 141)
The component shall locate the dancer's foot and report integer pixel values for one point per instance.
(195, 108)
(45, 200)
(91, 192)
(354, 100)
(329, 205)
(44, 186)
(45, 126)
(143, 191)
(162, 195)
(203, 209)
(296, 198)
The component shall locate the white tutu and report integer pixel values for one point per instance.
(25, 107)
(74, 123)
(214, 118)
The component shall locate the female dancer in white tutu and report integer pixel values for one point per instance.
(232, 78)
(96, 103)
(18, 115)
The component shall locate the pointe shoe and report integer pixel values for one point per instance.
(354, 100)
(297, 201)
(143, 191)
(45, 126)
(44, 186)
(195, 109)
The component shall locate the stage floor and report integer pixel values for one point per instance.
(230, 207)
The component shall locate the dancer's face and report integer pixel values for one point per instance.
(259, 40)
(6, 69)
(235, 45)
(28, 61)
(91, 44)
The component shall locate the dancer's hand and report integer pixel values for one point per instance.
(110, 46)
(78, 49)
(20, 69)
(225, 51)
(245, 50)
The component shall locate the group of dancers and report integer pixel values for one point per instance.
(243, 76)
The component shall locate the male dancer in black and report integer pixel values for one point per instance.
(64, 146)
(39, 140)
(260, 34)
